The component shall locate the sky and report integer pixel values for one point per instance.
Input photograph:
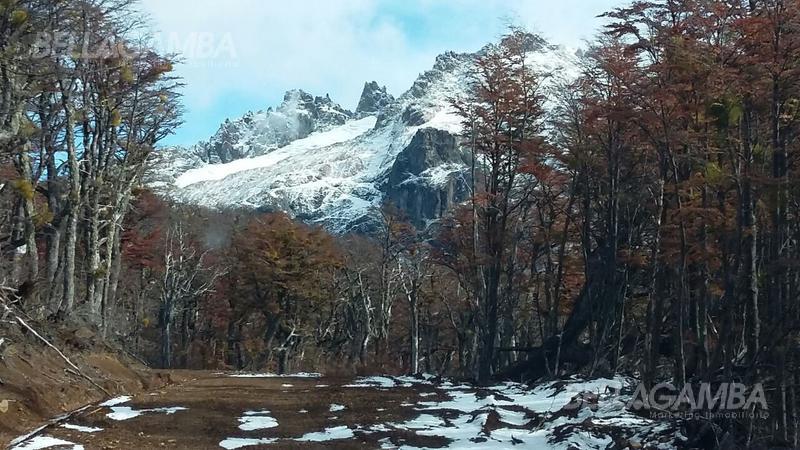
(242, 55)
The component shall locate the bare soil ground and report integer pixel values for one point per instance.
(214, 402)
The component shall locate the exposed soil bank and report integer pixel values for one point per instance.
(36, 384)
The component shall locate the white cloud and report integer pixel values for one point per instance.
(327, 46)
(317, 45)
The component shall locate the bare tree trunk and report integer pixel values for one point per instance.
(73, 210)
(92, 245)
(655, 304)
(29, 213)
(167, 307)
(116, 267)
(412, 295)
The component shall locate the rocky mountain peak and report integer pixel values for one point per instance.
(257, 133)
(324, 112)
(447, 72)
(374, 99)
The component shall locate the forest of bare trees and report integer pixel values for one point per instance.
(83, 104)
(644, 225)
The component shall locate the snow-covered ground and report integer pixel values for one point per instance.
(574, 414)
(564, 415)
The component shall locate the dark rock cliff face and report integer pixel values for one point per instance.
(429, 177)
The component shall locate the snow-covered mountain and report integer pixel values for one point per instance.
(324, 164)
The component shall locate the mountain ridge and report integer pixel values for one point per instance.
(324, 164)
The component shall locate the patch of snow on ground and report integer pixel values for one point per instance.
(328, 434)
(257, 420)
(116, 401)
(120, 413)
(123, 413)
(335, 407)
(362, 382)
(234, 443)
(42, 442)
(272, 375)
(81, 428)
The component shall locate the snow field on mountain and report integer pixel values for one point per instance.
(213, 172)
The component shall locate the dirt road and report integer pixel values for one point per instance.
(205, 410)
(218, 414)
